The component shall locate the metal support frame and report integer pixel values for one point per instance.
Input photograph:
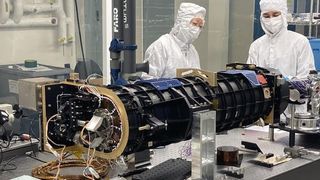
(292, 138)
(107, 16)
(203, 145)
(273, 115)
(124, 40)
(311, 19)
(317, 11)
(291, 132)
(117, 32)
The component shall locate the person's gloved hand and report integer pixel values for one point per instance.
(301, 86)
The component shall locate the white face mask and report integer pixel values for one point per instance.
(188, 33)
(272, 25)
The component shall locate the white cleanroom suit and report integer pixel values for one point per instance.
(175, 50)
(279, 48)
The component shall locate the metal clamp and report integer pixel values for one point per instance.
(117, 46)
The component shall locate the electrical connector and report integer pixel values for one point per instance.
(94, 123)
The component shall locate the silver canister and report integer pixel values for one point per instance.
(305, 122)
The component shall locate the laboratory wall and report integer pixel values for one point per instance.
(39, 43)
(240, 29)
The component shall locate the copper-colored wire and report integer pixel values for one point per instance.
(99, 165)
(45, 171)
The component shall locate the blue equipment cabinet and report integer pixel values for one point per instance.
(315, 45)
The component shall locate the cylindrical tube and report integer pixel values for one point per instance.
(117, 27)
(311, 19)
(4, 11)
(40, 8)
(129, 34)
(38, 22)
(70, 23)
(62, 34)
(143, 67)
(18, 11)
(292, 119)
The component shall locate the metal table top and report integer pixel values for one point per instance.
(233, 138)
(255, 172)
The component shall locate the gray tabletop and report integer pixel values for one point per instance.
(285, 170)
(233, 138)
